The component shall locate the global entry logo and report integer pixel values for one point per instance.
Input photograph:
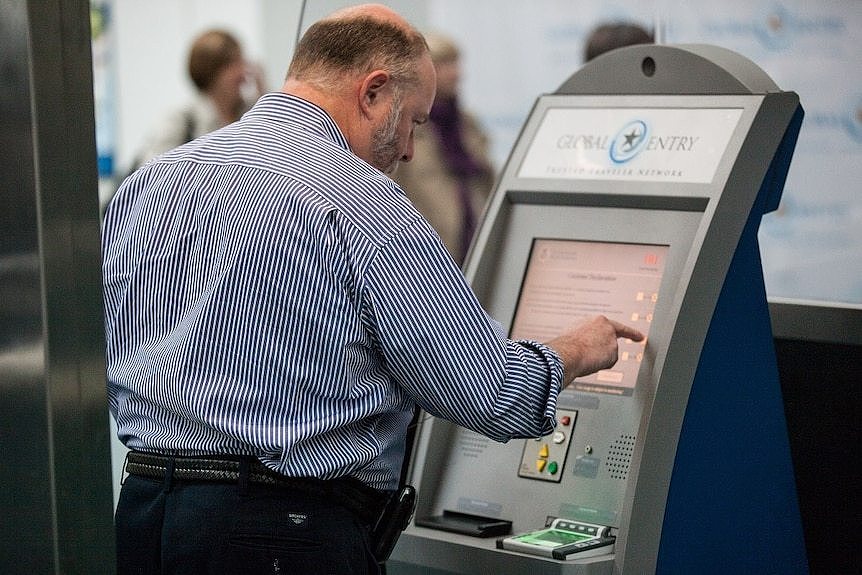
(629, 141)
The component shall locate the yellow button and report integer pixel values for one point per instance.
(543, 452)
(540, 464)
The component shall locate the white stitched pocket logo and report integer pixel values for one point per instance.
(297, 518)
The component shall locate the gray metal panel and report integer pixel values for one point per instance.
(56, 505)
(681, 69)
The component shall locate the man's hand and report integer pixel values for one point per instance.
(590, 347)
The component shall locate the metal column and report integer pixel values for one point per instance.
(56, 499)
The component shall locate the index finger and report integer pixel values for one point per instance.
(626, 331)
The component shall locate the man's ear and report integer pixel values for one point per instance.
(372, 92)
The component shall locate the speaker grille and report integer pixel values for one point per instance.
(620, 457)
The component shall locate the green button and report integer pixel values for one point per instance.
(553, 467)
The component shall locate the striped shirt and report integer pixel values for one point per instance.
(269, 293)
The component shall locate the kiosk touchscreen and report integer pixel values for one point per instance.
(635, 191)
(567, 281)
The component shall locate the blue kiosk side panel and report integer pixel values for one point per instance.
(732, 503)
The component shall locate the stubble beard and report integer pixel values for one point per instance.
(384, 143)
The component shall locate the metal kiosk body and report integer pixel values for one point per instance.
(636, 191)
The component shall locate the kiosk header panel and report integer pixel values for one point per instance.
(630, 144)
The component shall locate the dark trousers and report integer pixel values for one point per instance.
(175, 527)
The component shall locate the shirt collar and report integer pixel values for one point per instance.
(285, 108)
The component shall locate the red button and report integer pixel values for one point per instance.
(565, 420)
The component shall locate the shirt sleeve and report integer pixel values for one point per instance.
(446, 352)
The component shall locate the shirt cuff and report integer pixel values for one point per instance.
(554, 369)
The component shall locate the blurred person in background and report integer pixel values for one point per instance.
(612, 35)
(227, 86)
(451, 176)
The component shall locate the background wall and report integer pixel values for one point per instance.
(812, 246)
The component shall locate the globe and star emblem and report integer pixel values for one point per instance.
(629, 141)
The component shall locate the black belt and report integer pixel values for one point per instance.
(365, 502)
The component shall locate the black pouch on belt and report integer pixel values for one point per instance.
(392, 521)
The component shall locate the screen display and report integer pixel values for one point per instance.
(569, 281)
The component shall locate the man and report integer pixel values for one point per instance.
(276, 308)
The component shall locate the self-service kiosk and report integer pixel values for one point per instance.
(634, 191)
